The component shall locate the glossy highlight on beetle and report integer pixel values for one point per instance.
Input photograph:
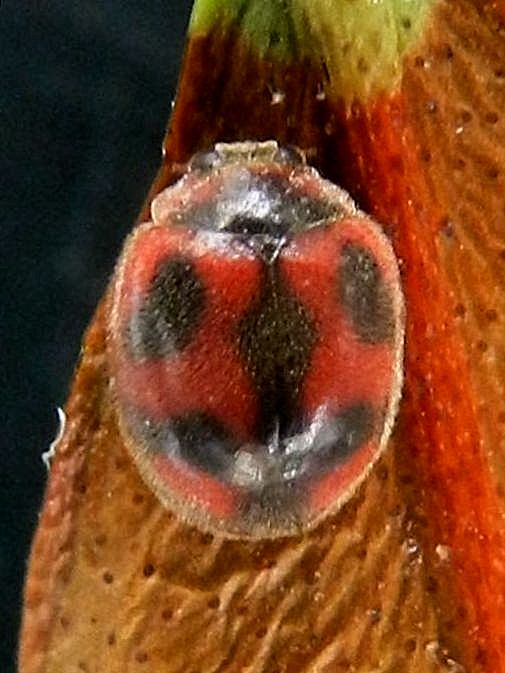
(255, 343)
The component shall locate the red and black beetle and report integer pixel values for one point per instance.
(255, 342)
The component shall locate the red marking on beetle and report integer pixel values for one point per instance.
(220, 500)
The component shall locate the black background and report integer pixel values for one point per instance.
(86, 89)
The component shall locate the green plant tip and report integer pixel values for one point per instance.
(361, 42)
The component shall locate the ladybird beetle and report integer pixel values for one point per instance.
(255, 343)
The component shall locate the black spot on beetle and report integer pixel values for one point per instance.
(204, 442)
(343, 435)
(171, 310)
(196, 437)
(364, 295)
(276, 338)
